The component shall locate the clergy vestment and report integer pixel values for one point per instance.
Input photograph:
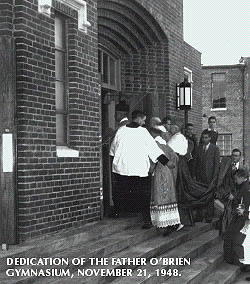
(132, 148)
(206, 166)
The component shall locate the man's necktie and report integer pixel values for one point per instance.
(234, 169)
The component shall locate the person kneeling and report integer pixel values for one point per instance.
(234, 238)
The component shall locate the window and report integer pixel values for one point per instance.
(224, 142)
(61, 80)
(109, 68)
(218, 90)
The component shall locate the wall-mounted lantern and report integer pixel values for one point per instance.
(184, 95)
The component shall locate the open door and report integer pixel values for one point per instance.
(8, 220)
(108, 130)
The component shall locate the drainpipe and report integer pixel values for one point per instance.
(243, 102)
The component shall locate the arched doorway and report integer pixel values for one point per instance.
(133, 66)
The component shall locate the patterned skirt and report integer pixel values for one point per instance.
(164, 209)
(164, 215)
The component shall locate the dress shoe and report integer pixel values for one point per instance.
(179, 227)
(147, 226)
(247, 278)
(115, 215)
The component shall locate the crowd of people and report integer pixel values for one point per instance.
(175, 180)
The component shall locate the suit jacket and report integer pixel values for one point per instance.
(192, 144)
(225, 187)
(206, 165)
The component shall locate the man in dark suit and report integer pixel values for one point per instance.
(192, 145)
(211, 128)
(206, 166)
(225, 184)
(226, 187)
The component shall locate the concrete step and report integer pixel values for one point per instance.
(51, 244)
(187, 251)
(224, 274)
(200, 267)
(133, 242)
(241, 278)
(149, 249)
(94, 249)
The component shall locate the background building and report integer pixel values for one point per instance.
(225, 94)
(64, 67)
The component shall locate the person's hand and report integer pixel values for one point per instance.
(231, 197)
(170, 165)
(240, 211)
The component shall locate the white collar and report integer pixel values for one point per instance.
(124, 119)
(237, 165)
(209, 129)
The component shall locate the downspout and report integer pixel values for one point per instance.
(243, 102)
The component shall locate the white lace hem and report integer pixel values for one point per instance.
(165, 215)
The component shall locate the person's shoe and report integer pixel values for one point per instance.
(115, 215)
(147, 226)
(247, 278)
(179, 227)
(208, 221)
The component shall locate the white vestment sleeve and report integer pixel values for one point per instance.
(113, 146)
(154, 151)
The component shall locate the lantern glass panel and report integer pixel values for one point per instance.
(182, 94)
(187, 96)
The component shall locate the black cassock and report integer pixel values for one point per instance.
(190, 193)
(233, 238)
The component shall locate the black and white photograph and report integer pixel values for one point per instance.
(124, 142)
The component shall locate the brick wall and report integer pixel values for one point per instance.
(155, 70)
(231, 119)
(55, 193)
(192, 61)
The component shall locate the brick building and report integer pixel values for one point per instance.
(65, 64)
(225, 94)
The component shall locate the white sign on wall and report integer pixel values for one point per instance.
(7, 152)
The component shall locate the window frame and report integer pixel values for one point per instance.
(222, 148)
(218, 108)
(65, 111)
(117, 72)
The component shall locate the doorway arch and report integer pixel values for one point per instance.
(134, 37)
